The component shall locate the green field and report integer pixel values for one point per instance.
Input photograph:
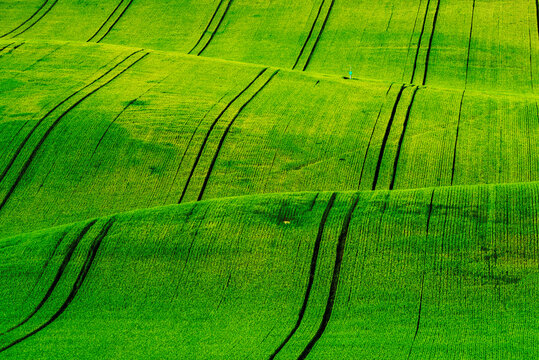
(201, 180)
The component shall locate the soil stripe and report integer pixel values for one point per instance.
(430, 42)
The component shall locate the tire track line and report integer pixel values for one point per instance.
(419, 41)
(370, 139)
(386, 136)
(457, 138)
(53, 125)
(25, 21)
(92, 252)
(212, 33)
(223, 137)
(109, 18)
(430, 42)
(29, 19)
(319, 35)
(40, 121)
(469, 46)
(71, 249)
(401, 139)
(309, 35)
(326, 317)
(312, 273)
(422, 277)
(201, 149)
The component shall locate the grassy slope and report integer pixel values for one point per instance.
(93, 130)
(227, 278)
(149, 130)
(479, 44)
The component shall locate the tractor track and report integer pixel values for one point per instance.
(309, 35)
(208, 133)
(418, 324)
(457, 138)
(71, 249)
(370, 139)
(430, 42)
(319, 35)
(225, 133)
(386, 136)
(54, 124)
(92, 252)
(108, 19)
(469, 46)
(312, 273)
(419, 42)
(212, 33)
(30, 18)
(334, 281)
(401, 139)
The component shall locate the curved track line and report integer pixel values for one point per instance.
(386, 136)
(40, 121)
(334, 281)
(419, 41)
(457, 138)
(430, 42)
(38, 19)
(207, 26)
(116, 21)
(370, 139)
(25, 21)
(309, 35)
(201, 149)
(106, 21)
(401, 139)
(422, 277)
(319, 34)
(54, 124)
(71, 249)
(469, 46)
(92, 252)
(216, 28)
(226, 133)
(312, 273)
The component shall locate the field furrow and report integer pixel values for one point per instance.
(32, 20)
(109, 23)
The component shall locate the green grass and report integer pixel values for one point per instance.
(201, 180)
(226, 278)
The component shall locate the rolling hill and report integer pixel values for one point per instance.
(202, 180)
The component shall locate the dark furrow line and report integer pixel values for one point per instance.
(401, 139)
(92, 252)
(201, 149)
(319, 34)
(370, 139)
(411, 38)
(109, 126)
(40, 121)
(386, 135)
(310, 34)
(469, 46)
(51, 128)
(419, 42)
(430, 42)
(189, 145)
(223, 137)
(106, 21)
(312, 273)
(537, 15)
(334, 281)
(72, 247)
(41, 17)
(422, 277)
(457, 138)
(116, 21)
(5, 47)
(25, 21)
(218, 25)
(207, 26)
